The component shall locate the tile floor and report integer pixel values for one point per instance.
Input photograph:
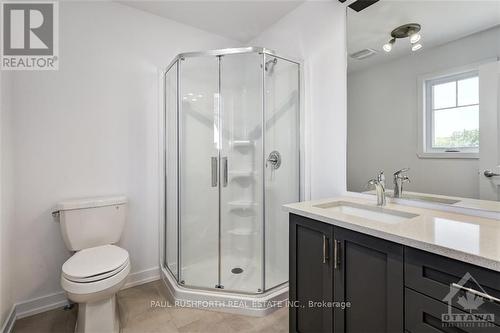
(137, 315)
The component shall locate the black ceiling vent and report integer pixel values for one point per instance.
(361, 4)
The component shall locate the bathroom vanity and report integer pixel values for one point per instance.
(356, 267)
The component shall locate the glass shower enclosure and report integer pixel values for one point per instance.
(231, 161)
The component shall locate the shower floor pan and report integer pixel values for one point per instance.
(230, 302)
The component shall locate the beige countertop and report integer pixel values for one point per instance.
(471, 239)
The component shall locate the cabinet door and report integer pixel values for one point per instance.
(311, 273)
(369, 275)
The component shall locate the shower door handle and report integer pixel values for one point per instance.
(224, 171)
(213, 164)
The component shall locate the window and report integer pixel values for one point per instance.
(451, 116)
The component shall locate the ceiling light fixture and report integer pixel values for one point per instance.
(411, 31)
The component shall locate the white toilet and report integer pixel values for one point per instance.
(98, 269)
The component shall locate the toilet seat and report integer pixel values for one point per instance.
(95, 264)
(97, 277)
(83, 292)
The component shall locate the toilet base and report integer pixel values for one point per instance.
(98, 317)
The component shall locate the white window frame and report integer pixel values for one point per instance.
(425, 124)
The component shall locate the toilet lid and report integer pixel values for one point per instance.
(94, 262)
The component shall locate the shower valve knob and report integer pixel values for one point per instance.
(274, 159)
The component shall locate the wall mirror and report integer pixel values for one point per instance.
(423, 100)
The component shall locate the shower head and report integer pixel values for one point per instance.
(269, 66)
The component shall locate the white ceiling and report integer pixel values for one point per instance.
(236, 19)
(442, 22)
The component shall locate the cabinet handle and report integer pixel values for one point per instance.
(475, 292)
(325, 249)
(336, 257)
(214, 171)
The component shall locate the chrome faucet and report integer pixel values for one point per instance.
(399, 179)
(379, 185)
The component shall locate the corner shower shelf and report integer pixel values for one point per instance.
(241, 174)
(242, 232)
(242, 143)
(241, 205)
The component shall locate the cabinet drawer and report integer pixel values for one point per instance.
(423, 315)
(433, 276)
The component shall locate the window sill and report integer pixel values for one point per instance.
(448, 155)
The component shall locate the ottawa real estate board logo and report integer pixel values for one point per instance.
(468, 305)
(30, 39)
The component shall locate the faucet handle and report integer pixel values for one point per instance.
(371, 182)
(397, 173)
(380, 190)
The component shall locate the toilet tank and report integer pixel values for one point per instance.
(92, 222)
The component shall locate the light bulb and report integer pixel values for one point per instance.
(388, 46)
(414, 38)
(416, 47)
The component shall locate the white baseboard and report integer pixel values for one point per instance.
(56, 300)
(40, 304)
(9, 321)
(145, 276)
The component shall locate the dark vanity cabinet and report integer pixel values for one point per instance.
(390, 287)
(330, 266)
(311, 274)
(369, 275)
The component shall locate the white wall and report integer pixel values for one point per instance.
(91, 129)
(382, 119)
(315, 33)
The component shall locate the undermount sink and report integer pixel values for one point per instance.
(428, 198)
(373, 213)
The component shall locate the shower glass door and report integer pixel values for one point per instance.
(236, 157)
(282, 176)
(199, 144)
(241, 204)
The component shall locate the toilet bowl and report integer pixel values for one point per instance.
(91, 278)
(98, 269)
